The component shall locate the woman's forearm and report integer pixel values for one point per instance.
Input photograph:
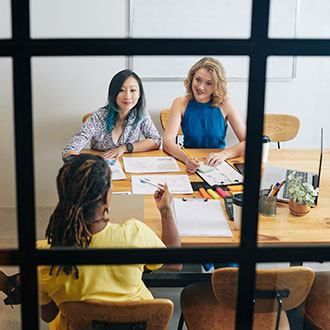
(174, 150)
(145, 145)
(170, 235)
(235, 151)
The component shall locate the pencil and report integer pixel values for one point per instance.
(186, 151)
(152, 184)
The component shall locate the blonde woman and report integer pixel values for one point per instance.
(204, 114)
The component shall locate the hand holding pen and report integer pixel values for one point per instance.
(192, 163)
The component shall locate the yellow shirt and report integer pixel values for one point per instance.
(102, 282)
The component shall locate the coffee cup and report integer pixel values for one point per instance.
(238, 205)
(265, 148)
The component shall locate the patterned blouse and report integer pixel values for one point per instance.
(94, 129)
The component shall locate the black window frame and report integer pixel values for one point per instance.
(21, 48)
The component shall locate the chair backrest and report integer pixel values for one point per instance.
(298, 280)
(164, 116)
(86, 116)
(81, 315)
(281, 128)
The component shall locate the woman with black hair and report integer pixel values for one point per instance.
(115, 128)
(78, 221)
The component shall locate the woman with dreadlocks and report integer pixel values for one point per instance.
(78, 221)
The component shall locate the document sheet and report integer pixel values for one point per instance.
(117, 172)
(177, 184)
(200, 217)
(222, 174)
(150, 164)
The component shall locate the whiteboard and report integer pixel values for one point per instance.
(211, 19)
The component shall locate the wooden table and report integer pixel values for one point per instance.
(313, 228)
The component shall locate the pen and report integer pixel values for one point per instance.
(152, 184)
(270, 189)
(185, 150)
(279, 187)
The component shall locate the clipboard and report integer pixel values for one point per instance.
(200, 217)
(222, 175)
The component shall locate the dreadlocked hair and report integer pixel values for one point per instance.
(82, 184)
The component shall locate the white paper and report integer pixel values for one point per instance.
(121, 193)
(222, 174)
(177, 184)
(117, 172)
(150, 164)
(200, 217)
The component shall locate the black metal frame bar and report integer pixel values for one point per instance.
(21, 48)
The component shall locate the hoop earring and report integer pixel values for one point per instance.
(106, 210)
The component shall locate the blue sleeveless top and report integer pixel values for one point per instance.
(203, 126)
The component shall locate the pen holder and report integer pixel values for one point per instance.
(267, 204)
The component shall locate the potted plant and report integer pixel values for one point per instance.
(302, 195)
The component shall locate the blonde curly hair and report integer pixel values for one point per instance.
(219, 77)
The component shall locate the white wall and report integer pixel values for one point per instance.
(65, 88)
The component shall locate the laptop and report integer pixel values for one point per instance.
(273, 174)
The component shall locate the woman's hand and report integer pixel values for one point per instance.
(192, 164)
(163, 198)
(215, 158)
(114, 153)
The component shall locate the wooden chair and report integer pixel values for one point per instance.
(317, 305)
(281, 128)
(90, 314)
(164, 116)
(212, 306)
(86, 116)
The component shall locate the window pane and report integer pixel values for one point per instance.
(64, 90)
(299, 19)
(7, 174)
(305, 98)
(5, 19)
(78, 19)
(10, 317)
(191, 19)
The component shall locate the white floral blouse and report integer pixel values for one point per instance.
(94, 130)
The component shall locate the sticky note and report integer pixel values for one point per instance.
(204, 168)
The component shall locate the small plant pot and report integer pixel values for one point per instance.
(298, 209)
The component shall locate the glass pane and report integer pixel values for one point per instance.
(190, 19)
(78, 19)
(10, 317)
(8, 236)
(299, 19)
(64, 90)
(296, 124)
(5, 19)
(306, 294)
(283, 18)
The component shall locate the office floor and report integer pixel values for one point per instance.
(10, 318)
